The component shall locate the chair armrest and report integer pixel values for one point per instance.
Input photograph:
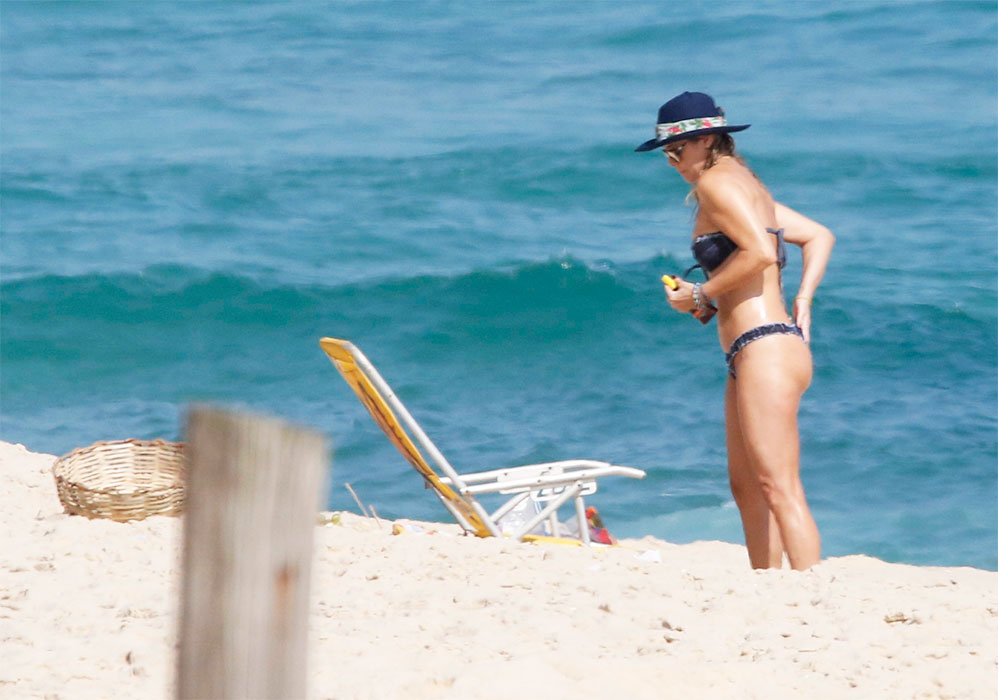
(568, 465)
(531, 477)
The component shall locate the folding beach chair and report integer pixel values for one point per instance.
(551, 485)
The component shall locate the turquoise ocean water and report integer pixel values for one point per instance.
(194, 193)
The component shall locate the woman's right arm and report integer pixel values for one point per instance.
(816, 243)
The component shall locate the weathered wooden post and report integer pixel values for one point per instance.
(253, 489)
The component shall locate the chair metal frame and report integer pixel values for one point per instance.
(552, 483)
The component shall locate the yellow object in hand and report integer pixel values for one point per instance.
(670, 282)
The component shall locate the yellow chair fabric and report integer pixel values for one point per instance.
(343, 359)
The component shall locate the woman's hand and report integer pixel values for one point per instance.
(802, 317)
(682, 298)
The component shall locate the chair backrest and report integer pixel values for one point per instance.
(374, 392)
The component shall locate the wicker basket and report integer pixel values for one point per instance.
(122, 480)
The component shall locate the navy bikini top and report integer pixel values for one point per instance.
(712, 249)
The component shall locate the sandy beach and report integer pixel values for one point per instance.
(87, 610)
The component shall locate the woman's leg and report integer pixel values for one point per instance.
(762, 535)
(773, 373)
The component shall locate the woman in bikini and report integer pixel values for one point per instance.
(738, 240)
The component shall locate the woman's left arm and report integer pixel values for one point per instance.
(727, 204)
(816, 243)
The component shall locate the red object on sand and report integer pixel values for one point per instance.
(598, 533)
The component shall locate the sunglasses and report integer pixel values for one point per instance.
(675, 154)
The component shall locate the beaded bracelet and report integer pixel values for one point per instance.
(700, 299)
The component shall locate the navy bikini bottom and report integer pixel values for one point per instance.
(754, 334)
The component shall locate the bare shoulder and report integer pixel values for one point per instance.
(716, 183)
(720, 184)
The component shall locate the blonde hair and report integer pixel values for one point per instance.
(723, 145)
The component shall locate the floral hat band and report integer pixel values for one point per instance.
(685, 116)
(664, 131)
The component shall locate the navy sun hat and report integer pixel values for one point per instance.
(688, 115)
